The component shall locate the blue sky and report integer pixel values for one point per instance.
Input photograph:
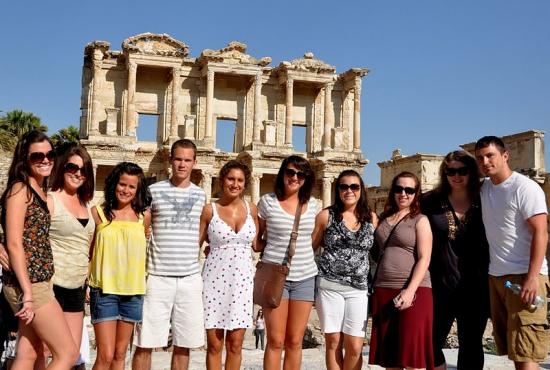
(443, 73)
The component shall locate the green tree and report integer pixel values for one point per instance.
(15, 124)
(66, 135)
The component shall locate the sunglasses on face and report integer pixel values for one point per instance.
(461, 171)
(291, 173)
(399, 189)
(353, 187)
(73, 169)
(38, 157)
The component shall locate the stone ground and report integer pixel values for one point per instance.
(313, 358)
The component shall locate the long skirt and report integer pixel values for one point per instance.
(402, 338)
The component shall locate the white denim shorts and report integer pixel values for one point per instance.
(176, 302)
(343, 311)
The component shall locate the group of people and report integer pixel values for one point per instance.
(427, 260)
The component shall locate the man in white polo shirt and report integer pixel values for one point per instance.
(174, 284)
(515, 215)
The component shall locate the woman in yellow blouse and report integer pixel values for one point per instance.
(117, 271)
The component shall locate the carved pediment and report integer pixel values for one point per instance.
(233, 53)
(308, 64)
(155, 44)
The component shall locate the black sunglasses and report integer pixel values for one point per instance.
(399, 189)
(461, 171)
(353, 187)
(38, 157)
(73, 168)
(291, 173)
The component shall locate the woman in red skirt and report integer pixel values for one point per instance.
(402, 302)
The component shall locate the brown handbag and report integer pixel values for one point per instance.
(270, 277)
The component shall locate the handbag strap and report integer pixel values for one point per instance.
(291, 249)
(384, 250)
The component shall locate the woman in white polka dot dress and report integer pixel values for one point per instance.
(230, 226)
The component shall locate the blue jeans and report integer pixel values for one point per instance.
(111, 307)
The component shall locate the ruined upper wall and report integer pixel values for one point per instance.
(154, 74)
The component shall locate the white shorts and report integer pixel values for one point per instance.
(176, 301)
(343, 312)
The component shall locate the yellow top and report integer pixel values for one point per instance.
(118, 261)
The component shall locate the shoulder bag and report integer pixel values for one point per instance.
(270, 277)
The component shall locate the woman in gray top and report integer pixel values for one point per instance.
(286, 324)
(346, 232)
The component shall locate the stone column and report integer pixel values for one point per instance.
(174, 109)
(327, 191)
(206, 185)
(255, 187)
(130, 105)
(94, 169)
(257, 107)
(289, 104)
(209, 103)
(329, 116)
(357, 115)
(97, 65)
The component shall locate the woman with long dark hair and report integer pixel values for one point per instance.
(286, 324)
(117, 277)
(71, 232)
(402, 312)
(28, 286)
(460, 260)
(230, 226)
(345, 230)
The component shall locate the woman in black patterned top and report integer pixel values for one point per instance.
(27, 287)
(345, 231)
(460, 260)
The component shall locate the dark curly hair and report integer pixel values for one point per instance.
(391, 205)
(303, 165)
(469, 161)
(234, 164)
(362, 209)
(143, 197)
(57, 181)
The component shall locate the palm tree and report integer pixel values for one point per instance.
(66, 135)
(15, 124)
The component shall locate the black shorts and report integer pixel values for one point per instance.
(70, 300)
(8, 321)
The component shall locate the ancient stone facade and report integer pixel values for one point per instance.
(154, 75)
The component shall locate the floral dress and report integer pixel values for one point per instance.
(228, 274)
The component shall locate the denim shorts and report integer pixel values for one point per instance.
(111, 307)
(303, 290)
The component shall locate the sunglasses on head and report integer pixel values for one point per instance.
(353, 187)
(399, 189)
(291, 173)
(38, 157)
(73, 168)
(461, 171)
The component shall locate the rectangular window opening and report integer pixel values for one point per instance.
(299, 138)
(147, 127)
(225, 135)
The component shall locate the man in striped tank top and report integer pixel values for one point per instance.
(174, 284)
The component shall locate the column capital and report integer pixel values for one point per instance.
(210, 74)
(329, 85)
(289, 82)
(132, 66)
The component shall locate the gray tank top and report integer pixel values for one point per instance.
(400, 255)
